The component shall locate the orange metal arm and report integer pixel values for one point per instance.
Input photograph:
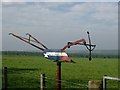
(26, 40)
(81, 41)
(37, 40)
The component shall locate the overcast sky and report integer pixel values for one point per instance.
(56, 23)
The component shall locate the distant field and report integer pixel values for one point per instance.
(24, 71)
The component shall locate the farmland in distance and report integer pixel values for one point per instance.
(24, 71)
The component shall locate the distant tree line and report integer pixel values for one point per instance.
(82, 55)
(22, 53)
(94, 55)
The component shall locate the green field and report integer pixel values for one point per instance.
(24, 71)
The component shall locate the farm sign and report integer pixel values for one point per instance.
(56, 54)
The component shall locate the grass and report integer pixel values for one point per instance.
(0, 71)
(24, 71)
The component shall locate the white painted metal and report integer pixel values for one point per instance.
(108, 78)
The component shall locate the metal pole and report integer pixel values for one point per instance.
(89, 46)
(58, 75)
(104, 83)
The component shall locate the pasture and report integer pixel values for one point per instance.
(24, 71)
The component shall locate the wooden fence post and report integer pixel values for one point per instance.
(5, 78)
(42, 80)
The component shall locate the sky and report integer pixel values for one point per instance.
(59, 0)
(56, 23)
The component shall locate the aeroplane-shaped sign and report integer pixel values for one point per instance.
(56, 54)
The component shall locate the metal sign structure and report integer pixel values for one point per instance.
(57, 55)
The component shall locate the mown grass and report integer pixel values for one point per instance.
(0, 71)
(24, 71)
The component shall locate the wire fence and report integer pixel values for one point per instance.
(64, 83)
(14, 79)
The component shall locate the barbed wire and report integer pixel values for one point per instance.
(64, 83)
(67, 83)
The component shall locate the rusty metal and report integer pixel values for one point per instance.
(61, 52)
(29, 40)
(58, 75)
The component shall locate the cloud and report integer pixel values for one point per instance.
(97, 11)
(60, 0)
(13, 0)
(106, 11)
(53, 24)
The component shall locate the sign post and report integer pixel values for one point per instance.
(58, 75)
